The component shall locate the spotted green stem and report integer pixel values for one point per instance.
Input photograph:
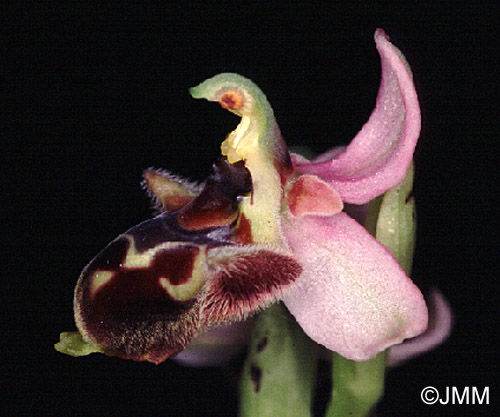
(279, 372)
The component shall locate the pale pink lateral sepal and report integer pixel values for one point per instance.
(379, 156)
(352, 297)
(439, 329)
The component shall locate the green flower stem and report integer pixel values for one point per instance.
(279, 372)
(358, 386)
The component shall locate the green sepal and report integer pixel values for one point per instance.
(279, 372)
(392, 219)
(397, 221)
(72, 344)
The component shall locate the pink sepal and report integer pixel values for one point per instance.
(352, 297)
(379, 156)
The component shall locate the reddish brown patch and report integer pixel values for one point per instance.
(177, 264)
(245, 282)
(310, 195)
(208, 211)
(283, 163)
(216, 205)
(134, 288)
(232, 100)
(244, 231)
(284, 175)
(281, 159)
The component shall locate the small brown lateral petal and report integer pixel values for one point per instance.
(243, 280)
(168, 192)
(131, 314)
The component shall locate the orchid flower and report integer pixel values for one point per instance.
(264, 226)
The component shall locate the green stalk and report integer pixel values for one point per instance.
(279, 372)
(358, 386)
(396, 224)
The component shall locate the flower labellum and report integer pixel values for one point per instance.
(156, 286)
(264, 226)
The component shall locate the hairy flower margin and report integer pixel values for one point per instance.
(265, 226)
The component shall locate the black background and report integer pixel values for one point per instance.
(97, 94)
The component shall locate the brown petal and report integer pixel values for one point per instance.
(168, 192)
